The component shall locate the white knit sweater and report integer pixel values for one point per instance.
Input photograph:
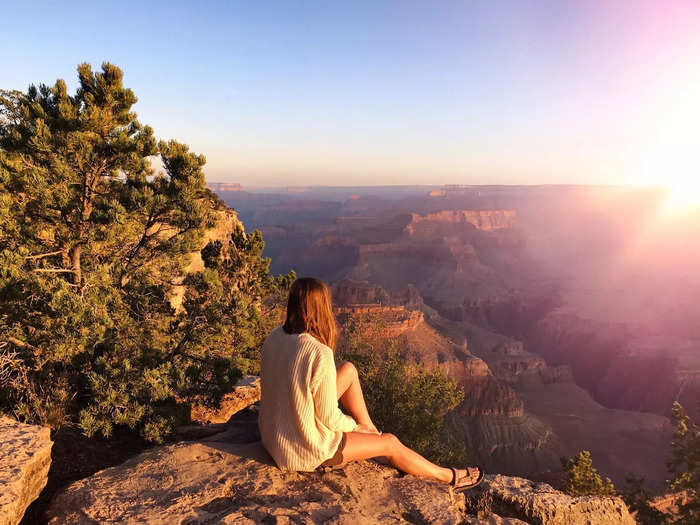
(300, 423)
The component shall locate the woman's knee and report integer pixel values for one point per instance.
(391, 443)
(347, 368)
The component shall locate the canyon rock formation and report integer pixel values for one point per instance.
(226, 223)
(491, 420)
(25, 458)
(622, 366)
(486, 220)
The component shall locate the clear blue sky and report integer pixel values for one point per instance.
(390, 92)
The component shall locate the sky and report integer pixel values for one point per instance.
(393, 92)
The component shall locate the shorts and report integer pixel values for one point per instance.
(337, 458)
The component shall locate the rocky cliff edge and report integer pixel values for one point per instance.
(228, 478)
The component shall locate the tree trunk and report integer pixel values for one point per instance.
(75, 261)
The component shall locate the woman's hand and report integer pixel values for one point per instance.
(367, 429)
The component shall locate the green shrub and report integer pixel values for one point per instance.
(581, 479)
(684, 466)
(93, 244)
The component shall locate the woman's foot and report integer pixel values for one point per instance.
(464, 479)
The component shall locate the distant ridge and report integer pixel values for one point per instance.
(224, 186)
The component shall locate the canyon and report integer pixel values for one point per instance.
(526, 300)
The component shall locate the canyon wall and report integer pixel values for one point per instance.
(226, 223)
(491, 421)
(486, 220)
(348, 293)
(621, 365)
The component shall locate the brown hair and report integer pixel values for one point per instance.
(309, 310)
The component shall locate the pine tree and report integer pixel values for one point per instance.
(581, 479)
(93, 241)
(639, 502)
(684, 466)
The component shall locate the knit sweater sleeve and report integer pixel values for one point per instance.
(326, 397)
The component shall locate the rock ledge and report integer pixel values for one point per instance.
(25, 458)
(228, 479)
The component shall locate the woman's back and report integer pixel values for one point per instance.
(300, 423)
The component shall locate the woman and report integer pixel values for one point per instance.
(300, 423)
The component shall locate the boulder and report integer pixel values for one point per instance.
(25, 458)
(539, 503)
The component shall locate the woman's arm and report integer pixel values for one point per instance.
(323, 389)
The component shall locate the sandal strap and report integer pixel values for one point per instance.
(469, 474)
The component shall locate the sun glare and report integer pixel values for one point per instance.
(671, 155)
(684, 192)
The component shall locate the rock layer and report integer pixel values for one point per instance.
(487, 220)
(25, 458)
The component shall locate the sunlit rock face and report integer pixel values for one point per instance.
(226, 223)
(349, 293)
(396, 319)
(25, 458)
(444, 221)
(491, 420)
(540, 503)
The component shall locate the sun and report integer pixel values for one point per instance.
(683, 192)
(672, 158)
(674, 167)
(669, 153)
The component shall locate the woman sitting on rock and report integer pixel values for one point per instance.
(300, 423)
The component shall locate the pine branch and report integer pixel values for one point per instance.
(21, 344)
(42, 255)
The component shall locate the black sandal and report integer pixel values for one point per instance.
(457, 487)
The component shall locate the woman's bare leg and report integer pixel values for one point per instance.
(350, 394)
(364, 446)
(359, 445)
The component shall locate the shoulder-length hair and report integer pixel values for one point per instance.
(309, 310)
